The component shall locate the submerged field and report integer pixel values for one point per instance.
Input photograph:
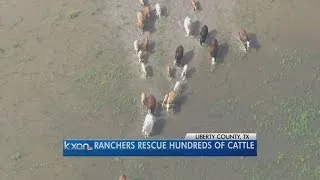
(68, 71)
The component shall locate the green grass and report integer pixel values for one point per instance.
(74, 13)
(17, 156)
(289, 59)
(299, 160)
(15, 164)
(299, 114)
(17, 45)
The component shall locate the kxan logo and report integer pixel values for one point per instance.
(77, 146)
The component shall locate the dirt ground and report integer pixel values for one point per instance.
(68, 71)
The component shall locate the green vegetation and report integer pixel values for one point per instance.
(15, 164)
(300, 159)
(17, 156)
(74, 13)
(289, 59)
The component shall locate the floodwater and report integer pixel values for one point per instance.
(68, 71)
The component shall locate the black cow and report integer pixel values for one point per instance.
(203, 34)
(179, 55)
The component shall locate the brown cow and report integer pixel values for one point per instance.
(145, 44)
(140, 19)
(147, 11)
(243, 36)
(169, 100)
(179, 55)
(123, 177)
(149, 102)
(213, 50)
(194, 5)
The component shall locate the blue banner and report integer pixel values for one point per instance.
(74, 147)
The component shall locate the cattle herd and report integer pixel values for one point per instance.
(141, 50)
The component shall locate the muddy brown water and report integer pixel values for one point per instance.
(53, 84)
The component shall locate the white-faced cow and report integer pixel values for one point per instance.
(213, 50)
(169, 100)
(243, 36)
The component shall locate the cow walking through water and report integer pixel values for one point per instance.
(187, 25)
(194, 5)
(143, 2)
(203, 34)
(213, 52)
(177, 87)
(243, 36)
(145, 44)
(158, 10)
(140, 21)
(123, 177)
(169, 100)
(184, 72)
(169, 72)
(147, 11)
(178, 56)
(148, 124)
(136, 46)
(149, 102)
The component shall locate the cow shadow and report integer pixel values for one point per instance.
(149, 70)
(184, 87)
(191, 71)
(150, 23)
(152, 47)
(164, 11)
(158, 110)
(158, 126)
(160, 122)
(222, 51)
(254, 43)
(211, 35)
(196, 28)
(174, 72)
(198, 5)
(188, 57)
(146, 57)
(182, 99)
(146, 2)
